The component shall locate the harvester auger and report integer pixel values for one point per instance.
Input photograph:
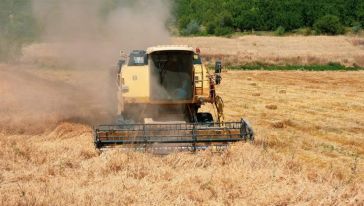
(160, 91)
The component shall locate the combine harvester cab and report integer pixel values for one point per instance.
(160, 92)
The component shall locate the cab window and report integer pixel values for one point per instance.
(138, 58)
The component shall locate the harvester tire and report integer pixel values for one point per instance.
(204, 117)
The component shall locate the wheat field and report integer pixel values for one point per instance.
(309, 127)
(309, 147)
(293, 50)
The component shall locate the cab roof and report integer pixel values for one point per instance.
(169, 48)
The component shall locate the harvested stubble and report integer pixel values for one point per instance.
(271, 106)
(317, 158)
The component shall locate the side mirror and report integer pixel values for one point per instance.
(123, 54)
(218, 68)
(121, 62)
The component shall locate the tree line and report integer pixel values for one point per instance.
(18, 25)
(221, 17)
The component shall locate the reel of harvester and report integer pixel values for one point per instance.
(164, 138)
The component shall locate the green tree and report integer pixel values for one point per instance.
(329, 24)
(17, 27)
(265, 15)
(192, 28)
(249, 20)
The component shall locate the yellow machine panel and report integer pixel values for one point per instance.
(137, 79)
(202, 81)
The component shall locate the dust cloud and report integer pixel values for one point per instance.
(93, 31)
(82, 39)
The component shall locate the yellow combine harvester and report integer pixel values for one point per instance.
(160, 93)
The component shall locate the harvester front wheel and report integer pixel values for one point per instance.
(205, 117)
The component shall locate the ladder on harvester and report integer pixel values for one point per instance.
(199, 81)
